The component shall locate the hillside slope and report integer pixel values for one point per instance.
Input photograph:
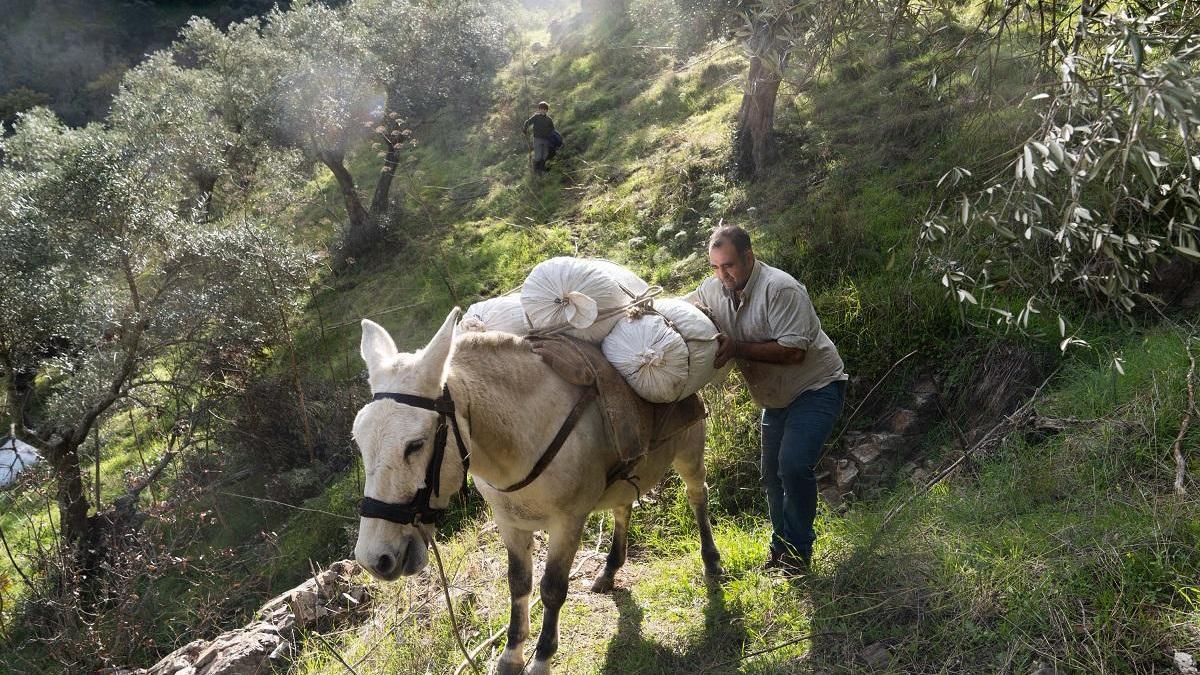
(1068, 550)
(1062, 550)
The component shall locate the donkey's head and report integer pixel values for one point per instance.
(397, 445)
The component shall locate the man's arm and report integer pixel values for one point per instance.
(767, 352)
(794, 324)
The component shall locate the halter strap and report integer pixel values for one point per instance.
(556, 443)
(418, 509)
(403, 514)
(443, 404)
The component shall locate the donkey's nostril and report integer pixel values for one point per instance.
(385, 564)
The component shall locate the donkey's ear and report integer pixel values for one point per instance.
(377, 348)
(439, 347)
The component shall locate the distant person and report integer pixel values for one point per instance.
(543, 133)
(793, 371)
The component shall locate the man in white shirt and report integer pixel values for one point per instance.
(793, 371)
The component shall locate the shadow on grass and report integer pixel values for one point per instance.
(630, 651)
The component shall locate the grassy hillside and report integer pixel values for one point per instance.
(1068, 550)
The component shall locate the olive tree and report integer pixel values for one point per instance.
(785, 38)
(108, 272)
(324, 100)
(179, 108)
(1101, 193)
(447, 55)
(329, 81)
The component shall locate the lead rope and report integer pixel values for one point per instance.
(437, 556)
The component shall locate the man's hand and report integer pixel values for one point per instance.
(726, 349)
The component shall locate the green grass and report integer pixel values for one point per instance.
(1071, 551)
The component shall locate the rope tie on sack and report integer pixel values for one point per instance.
(648, 357)
(643, 300)
(651, 357)
(638, 311)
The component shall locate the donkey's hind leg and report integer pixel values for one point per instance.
(689, 464)
(616, 552)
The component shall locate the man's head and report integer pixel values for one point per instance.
(543, 107)
(730, 256)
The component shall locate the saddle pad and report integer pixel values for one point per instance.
(636, 425)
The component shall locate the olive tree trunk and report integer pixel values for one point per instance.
(363, 230)
(753, 147)
(366, 224)
(72, 499)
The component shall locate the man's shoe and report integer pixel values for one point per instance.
(789, 563)
(794, 564)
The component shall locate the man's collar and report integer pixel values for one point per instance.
(754, 274)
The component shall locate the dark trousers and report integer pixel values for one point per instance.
(792, 439)
(541, 152)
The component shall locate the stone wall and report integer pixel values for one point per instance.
(862, 460)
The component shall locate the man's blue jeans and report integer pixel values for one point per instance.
(792, 439)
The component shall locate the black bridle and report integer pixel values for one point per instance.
(418, 510)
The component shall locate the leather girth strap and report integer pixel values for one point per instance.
(568, 425)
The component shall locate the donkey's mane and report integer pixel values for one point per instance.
(493, 356)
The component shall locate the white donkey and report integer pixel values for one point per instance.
(505, 407)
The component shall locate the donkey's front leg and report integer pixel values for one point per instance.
(564, 542)
(520, 584)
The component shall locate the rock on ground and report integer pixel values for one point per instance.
(260, 646)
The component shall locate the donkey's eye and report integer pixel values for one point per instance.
(413, 446)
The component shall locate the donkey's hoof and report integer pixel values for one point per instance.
(539, 667)
(510, 663)
(714, 573)
(603, 584)
(503, 668)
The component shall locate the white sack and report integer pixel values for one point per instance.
(503, 314)
(575, 292)
(15, 456)
(662, 363)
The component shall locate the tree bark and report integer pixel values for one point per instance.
(379, 202)
(72, 501)
(364, 230)
(753, 149)
(391, 159)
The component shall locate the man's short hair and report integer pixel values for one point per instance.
(734, 235)
(542, 105)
